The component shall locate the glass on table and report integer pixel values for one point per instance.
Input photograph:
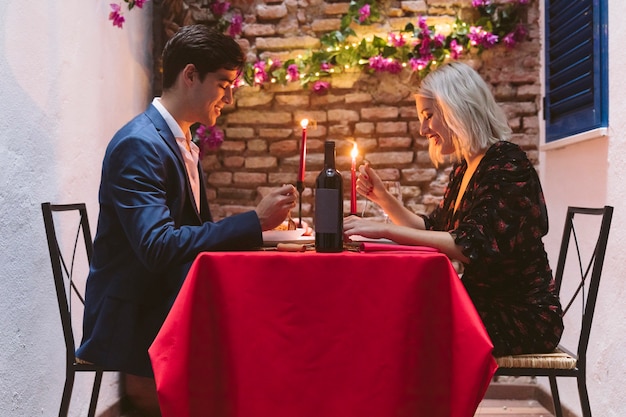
(374, 211)
(395, 189)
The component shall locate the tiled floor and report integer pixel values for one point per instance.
(495, 408)
(492, 408)
(511, 408)
(487, 408)
(495, 404)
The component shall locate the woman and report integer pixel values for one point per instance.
(492, 216)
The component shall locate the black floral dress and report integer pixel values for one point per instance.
(499, 224)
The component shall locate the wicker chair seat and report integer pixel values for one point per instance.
(554, 360)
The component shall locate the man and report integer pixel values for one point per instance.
(154, 215)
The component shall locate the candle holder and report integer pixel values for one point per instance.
(300, 182)
(300, 188)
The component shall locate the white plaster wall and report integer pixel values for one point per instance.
(68, 80)
(593, 173)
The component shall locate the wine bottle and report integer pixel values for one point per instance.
(329, 205)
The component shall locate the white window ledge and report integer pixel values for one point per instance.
(571, 140)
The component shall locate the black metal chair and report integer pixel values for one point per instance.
(67, 290)
(563, 362)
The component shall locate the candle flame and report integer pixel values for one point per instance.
(304, 123)
(355, 151)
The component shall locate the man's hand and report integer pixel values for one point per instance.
(273, 208)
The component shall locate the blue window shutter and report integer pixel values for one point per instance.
(576, 67)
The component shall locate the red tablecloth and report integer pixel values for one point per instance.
(275, 334)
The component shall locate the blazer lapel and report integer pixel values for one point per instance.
(205, 210)
(164, 130)
(168, 137)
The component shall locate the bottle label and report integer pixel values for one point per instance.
(327, 202)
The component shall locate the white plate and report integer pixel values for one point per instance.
(282, 235)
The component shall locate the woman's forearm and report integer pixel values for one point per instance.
(443, 241)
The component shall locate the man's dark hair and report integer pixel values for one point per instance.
(206, 48)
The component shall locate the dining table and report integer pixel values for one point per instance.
(267, 333)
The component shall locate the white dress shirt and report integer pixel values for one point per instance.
(189, 150)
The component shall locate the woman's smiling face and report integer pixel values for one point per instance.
(432, 125)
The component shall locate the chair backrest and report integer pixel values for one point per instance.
(585, 289)
(64, 258)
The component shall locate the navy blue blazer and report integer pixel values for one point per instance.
(149, 232)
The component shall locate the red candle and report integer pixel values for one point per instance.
(354, 154)
(304, 123)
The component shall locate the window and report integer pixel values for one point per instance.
(576, 67)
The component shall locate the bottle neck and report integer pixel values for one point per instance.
(329, 155)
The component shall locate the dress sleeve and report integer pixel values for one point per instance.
(503, 212)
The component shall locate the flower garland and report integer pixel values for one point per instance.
(418, 47)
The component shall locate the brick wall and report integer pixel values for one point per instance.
(262, 131)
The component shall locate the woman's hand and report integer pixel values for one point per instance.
(369, 184)
(354, 225)
(403, 235)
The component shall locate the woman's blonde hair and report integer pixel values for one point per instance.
(467, 107)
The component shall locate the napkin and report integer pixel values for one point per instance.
(387, 247)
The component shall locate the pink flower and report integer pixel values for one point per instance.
(379, 63)
(116, 16)
(140, 3)
(392, 66)
(480, 37)
(260, 76)
(439, 40)
(523, 1)
(219, 8)
(476, 35)
(425, 46)
(509, 40)
(396, 39)
(520, 32)
(418, 64)
(292, 72)
(275, 65)
(421, 23)
(490, 39)
(324, 66)
(320, 87)
(455, 49)
(236, 25)
(364, 13)
(209, 138)
(480, 3)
